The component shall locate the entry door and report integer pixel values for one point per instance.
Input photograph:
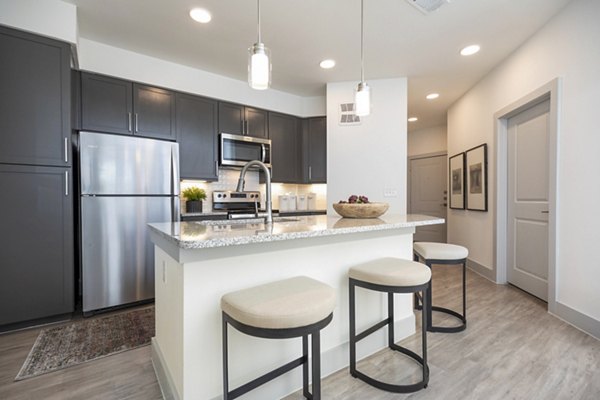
(528, 180)
(428, 195)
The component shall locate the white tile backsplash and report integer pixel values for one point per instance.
(228, 179)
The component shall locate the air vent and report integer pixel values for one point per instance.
(347, 115)
(427, 6)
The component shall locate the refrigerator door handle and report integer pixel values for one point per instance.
(175, 208)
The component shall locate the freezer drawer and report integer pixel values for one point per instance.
(117, 254)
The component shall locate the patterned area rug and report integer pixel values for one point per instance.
(64, 346)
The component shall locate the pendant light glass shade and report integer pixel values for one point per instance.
(259, 67)
(259, 62)
(362, 99)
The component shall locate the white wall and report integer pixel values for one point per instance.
(428, 140)
(102, 58)
(51, 18)
(567, 47)
(368, 158)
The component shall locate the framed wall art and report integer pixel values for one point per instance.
(456, 170)
(477, 178)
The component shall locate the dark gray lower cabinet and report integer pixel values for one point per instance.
(285, 145)
(36, 243)
(196, 121)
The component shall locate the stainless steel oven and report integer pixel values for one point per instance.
(237, 150)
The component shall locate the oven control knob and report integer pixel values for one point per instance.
(224, 195)
(219, 195)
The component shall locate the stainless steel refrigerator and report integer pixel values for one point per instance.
(126, 183)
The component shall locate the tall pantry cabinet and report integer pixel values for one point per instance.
(36, 196)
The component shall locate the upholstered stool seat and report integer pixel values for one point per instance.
(295, 307)
(389, 275)
(444, 254)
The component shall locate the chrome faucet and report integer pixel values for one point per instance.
(240, 186)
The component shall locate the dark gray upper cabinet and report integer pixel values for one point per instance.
(35, 105)
(154, 112)
(315, 150)
(106, 104)
(36, 243)
(197, 137)
(256, 122)
(285, 145)
(237, 119)
(119, 106)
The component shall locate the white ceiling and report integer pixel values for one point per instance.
(399, 40)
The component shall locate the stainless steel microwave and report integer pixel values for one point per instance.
(237, 150)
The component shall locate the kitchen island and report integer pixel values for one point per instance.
(197, 262)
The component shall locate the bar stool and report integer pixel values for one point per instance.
(389, 275)
(295, 307)
(447, 254)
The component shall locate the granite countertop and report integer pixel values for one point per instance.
(207, 234)
(219, 213)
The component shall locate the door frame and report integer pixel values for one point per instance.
(550, 91)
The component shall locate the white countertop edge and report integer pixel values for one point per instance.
(272, 237)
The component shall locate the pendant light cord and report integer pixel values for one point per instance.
(258, 6)
(362, 39)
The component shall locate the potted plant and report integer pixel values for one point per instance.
(194, 196)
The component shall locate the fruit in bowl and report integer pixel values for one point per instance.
(359, 207)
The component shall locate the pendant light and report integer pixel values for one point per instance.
(259, 62)
(362, 97)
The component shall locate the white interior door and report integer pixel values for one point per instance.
(428, 195)
(528, 204)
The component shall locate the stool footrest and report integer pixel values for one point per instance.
(372, 329)
(391, 387)
(253, 384)
(448, 329)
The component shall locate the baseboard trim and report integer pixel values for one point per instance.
(487, 273)
(167, 387)
(579, 320)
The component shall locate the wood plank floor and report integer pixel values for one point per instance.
(512, 349)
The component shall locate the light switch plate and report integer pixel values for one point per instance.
(390, 192)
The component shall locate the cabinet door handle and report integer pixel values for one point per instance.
(244, 127)
(546, 212)
(136, 122)
(128, 122)
(66, 183)
(310, 173)
(216, 167)
(66, 150)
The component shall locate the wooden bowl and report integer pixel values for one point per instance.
(366, 210)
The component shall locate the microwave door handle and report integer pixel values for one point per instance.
(263, 152)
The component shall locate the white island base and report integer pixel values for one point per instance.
(197, 264)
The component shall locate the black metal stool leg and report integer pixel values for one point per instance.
(424, 327)
(464, 292)
(429, 295)
(316, 365)
(351, 290)
(305, 391)
(390, 319)
(225, 361)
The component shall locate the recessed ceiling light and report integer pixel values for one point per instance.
(413, 119)
(470, 50)
(326, 64)
(200, 15)
(432, 96)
